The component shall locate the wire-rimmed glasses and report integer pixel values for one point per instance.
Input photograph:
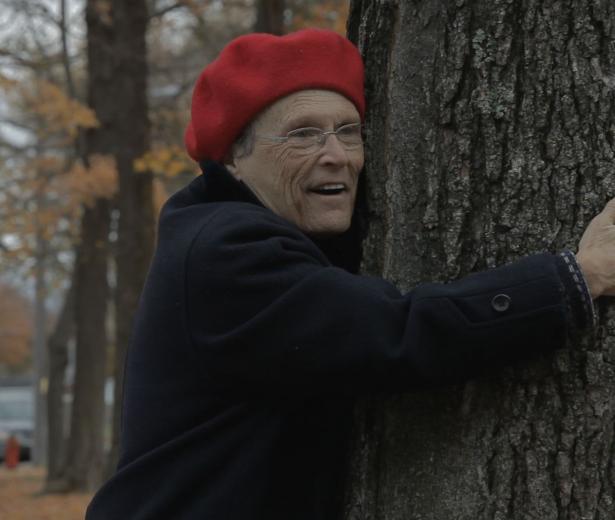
(311, 138)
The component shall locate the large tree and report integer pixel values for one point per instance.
(269, 16)
(491, 128)
(85, 454)
(135, 199)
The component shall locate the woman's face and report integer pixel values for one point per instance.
(293, 182)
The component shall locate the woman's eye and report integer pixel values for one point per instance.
(305, 133)
(349, 130)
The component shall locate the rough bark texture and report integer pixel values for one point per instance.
(491, 128)
(135, 199)
(85, 453)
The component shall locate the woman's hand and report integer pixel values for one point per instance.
(596, 255)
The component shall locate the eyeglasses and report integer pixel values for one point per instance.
(311, 139)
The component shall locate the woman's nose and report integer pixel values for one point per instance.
(333, 151)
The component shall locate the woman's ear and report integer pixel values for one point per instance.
(231, 166)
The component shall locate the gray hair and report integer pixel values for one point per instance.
(244, 144)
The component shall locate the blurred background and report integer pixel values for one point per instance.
(94, 99)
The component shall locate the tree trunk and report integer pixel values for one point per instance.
(64, 331)
(270, 16)
(85, 451)
(39, 448)
(135, 199)
(57, 346)
(491, 136)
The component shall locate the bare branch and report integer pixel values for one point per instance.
(30, 63)
(65, 58)
(15, 148)
(167, 9)
(17, 124)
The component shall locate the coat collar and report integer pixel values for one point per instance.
(219, 185)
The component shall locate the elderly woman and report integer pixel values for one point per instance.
(251, 341)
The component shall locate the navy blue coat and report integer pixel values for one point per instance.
(249, 347)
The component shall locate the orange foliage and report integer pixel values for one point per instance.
(103, 9)
(165, 161)
(60, 113)
(7, 83)
(53, 199)
(39, 205)
(15, 328)
(327, 15)
(84, 185)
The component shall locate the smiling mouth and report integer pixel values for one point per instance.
(330, 189)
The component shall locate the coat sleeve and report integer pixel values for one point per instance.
(266, 311)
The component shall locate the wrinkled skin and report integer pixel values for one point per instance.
(596, 255)
(284, 178)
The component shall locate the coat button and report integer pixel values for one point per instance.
(501, 302)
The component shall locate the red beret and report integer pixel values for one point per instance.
(255, 70)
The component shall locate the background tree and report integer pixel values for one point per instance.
(57, 345)
(41, 192)
(135, 202)
(85, 458)
(491, 136)
(75, 113)
(270, 16)
(15, 330)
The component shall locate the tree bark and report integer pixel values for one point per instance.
(57, 346)
(64, 331)
(39, 448)
(135, 199)
(491, 136)
(85, 455)
(270, 16)
(85, 451)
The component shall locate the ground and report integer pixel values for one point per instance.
(20, 497)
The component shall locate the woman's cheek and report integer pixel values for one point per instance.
(294, 179)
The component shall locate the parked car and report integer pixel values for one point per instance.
(17, 418)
